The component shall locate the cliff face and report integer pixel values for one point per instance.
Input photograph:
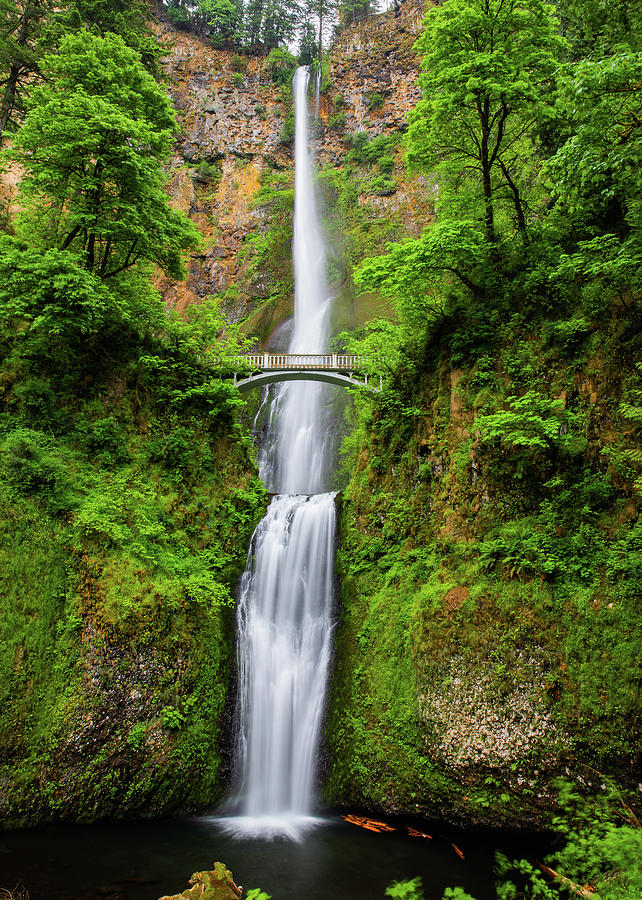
(490, 593)
(122, 536)
(233, 163)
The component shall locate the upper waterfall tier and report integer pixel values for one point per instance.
(295, 458)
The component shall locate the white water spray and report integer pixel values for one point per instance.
(285, 606)
(294, 458)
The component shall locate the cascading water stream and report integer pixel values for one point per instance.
(285, 603)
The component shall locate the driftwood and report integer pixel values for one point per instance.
(577, 889)
(414, 833)
(369, 824)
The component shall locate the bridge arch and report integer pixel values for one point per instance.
(258, 380)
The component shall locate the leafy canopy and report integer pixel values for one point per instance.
(488, 68)
(92, 146)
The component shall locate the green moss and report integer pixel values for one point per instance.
(470, 562)
(121, 537)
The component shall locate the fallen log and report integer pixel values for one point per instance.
(368, 824)
(578, 889)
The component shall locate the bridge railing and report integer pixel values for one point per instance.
(279, 361)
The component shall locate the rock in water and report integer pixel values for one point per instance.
(217, 884)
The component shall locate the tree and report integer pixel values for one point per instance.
(222, 19)
(308, 45)
(270, 23)
(280, 22)
(597, 171)
(600, 25)
(21, 26)
(128, 18)
(324, 11)
(351, 11)
(488, 70)
(414, 273)
(92, 146)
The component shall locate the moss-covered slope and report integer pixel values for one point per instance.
(491, 577)
(126, 509)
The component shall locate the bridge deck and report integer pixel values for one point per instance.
(273, 362)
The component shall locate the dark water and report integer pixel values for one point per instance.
(142, 861)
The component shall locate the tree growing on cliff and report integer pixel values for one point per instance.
(129, 19)
(269, 23)
(92, 146)
(487, 80)
(351, 11)
(221, 18)
(324, 11)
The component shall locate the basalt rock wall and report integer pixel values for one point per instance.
(236, 138)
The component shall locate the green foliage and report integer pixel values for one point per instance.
(22, 26)
(626, 454)
(222, 19)
(269, 24)
(238, 63)
(487, 72)
(364, 149)
(602, 848)
(282, 65)
(287, 131)
(45, 295)
(32, 465)
(257, 894)
(207, 171)
(533, 424)
(375, 101)
(92, 146)
(352, 11)
(405, 890)
(172, 718)
(381, 186)
(337, 122)
(413, 273)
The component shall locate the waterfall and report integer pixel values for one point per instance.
(285, 602)
(294, 459)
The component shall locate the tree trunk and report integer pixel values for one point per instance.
(9, 98)
(517, 203)
(489, 216)
(11, 89)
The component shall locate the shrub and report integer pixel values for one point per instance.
(206, 171)
(30, 463)
(375, 101)
(238, 63)
(282, 66)
(178, 16)
(337, 122)
(172, 718)
(381, 186)
(287, 131)
(106, 441)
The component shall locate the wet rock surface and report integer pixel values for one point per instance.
(233, 138)
(216, 884)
